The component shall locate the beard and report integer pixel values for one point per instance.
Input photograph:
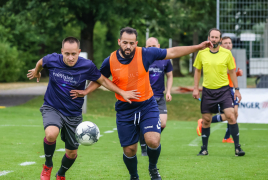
(215, 44)
(127, 56)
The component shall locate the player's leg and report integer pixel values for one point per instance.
(227, 138)
(163, 118)
(68, 159)
(161, 102)
(205, 132)
(128, 134)
(154, 148)
(233, 126)
(209, 106)
(131, 161)
(71, 144)
(52, 124)
(143, 145)
(51, 134)
(150, 125)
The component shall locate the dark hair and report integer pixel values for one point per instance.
(71, 40)
(128, 30)
(226, 37)
(214, 29)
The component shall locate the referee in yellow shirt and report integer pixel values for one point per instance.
(215, 61)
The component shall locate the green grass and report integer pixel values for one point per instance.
(21, 140)
(189, 81)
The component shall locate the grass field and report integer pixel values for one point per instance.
(21, 140)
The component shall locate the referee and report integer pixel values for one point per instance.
(215, 61)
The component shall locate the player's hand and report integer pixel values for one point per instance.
(168, 97)
(33, 74)
(239, 72)
(196, 94)
(237, 95)
(133, 94)
(205, 44)
(78, 93)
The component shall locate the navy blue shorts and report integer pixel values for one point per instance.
(144, 118)
(232, 93)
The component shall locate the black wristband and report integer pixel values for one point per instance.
(236, 88)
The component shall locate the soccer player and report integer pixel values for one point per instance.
(216, 89)
(67, 71)
(129, 68)
(227, 44)
(157, 72)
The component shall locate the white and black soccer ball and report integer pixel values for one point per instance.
(87, 133)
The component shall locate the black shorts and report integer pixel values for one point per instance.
(161, 102)
(212, 97)
(52, 117)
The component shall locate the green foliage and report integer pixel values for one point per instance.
(10, 63)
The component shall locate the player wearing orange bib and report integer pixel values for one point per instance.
(227, 44)
(129, 67)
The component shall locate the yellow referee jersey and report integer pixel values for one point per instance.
(215, 67)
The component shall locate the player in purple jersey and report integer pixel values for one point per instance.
(67, 71)
(157, 72)
(132, 62)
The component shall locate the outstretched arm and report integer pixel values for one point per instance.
(35, 73)
(179, 51)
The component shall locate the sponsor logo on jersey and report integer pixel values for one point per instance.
(147, 127)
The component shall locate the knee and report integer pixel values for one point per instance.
(206, 122)
(51, 137)
(153, 143)
(71, 154)
(129, 152)
(163, 125)
(231, 118)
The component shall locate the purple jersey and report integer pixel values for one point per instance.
(63, 79)
(157, 72)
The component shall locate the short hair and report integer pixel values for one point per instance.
(71, 40)
(214, 29)
(128, 30)
(153, 38)
(226, 37)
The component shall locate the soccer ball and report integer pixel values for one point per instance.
(87, 133)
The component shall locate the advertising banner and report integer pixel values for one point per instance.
(253, 107)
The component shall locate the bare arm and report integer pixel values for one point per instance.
(127, 95)
(179, 51)
(197, 75)
(109, 85)
(35, 73)
(169, 85)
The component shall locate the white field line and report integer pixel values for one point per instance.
(108, 131)
(2, 173)
(198, 139)
(62, 149)
(260, 129)
(7, 125)
(27, 163)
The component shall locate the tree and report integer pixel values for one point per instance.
(192, 20)
(49, 17)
